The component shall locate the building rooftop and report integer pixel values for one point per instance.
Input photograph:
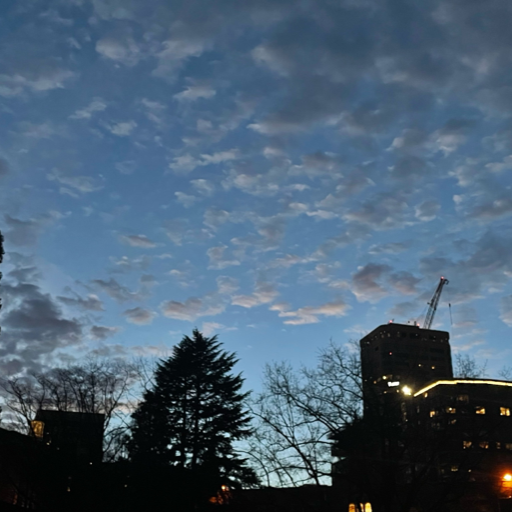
(452, 382)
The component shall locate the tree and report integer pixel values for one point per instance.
(2, 252)
(298, 413)
(311, 428)
(94, 386)
(192, 415)
(466, 367)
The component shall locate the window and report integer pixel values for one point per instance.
(433, 413)
(455, 467)
(504, 411)
(498, 445)
(508, 446)
(480, 410)
(451, 410)
(363, 507)
(463, 399)
(484, 445)
(466, 444)
(37, 428)
(452, 422)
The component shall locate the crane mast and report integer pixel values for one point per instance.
(432, 305)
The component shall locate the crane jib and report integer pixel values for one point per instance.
(432, 305)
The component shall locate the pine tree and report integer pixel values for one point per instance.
(192, 416)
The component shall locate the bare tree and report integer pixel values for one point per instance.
(466, 367)
(1, 259)
(299, 412)
(95, 386)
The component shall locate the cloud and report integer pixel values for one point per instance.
(139, 316)
(27, 232)
(125, 264)
(119, 49)
(204, 187)
(214, 218)
(311, 314)
(388, 248)
(81, 184)
(37, 80)
(102, 332)
(227, 285)
(506, 310)
(116, 291)
(217, 258)
(194, 92)
(34, 327)
(427, 210)
(186, 200)
(96, 105)
(138, 241)
(381, 211)
(192, 308)
(4, 168)
(263, 294)
(126, 167)
(122, 129)
(365, 284)
(90, 303)
(211, 328)
(187, 162)
(174, 53)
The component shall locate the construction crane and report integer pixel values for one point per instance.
(432, 305)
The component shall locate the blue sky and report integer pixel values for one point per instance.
(279, 172)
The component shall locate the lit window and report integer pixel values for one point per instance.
(363, 507)
(451, 410)
(425, 395)
(466, 444)
(37, 428)
(504, 411)
(433, 413)
(433, 367)
(455, 467)
(508, 446)
(498, 445)
(480, 410)
(463, 398)
(452, 422)
(484, 445)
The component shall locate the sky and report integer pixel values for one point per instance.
(278, 172)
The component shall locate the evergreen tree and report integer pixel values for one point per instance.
(193, 414)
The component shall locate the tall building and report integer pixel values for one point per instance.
(398, 358)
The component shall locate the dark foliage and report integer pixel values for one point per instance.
(191, 417)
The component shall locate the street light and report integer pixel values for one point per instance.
(407, 390)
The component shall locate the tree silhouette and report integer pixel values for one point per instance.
(191, 417)
(1, 259)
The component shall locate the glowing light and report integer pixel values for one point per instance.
(407, 390)
(393, 384)
(463, 381)
(507, 477)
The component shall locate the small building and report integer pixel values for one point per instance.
(78, 435)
